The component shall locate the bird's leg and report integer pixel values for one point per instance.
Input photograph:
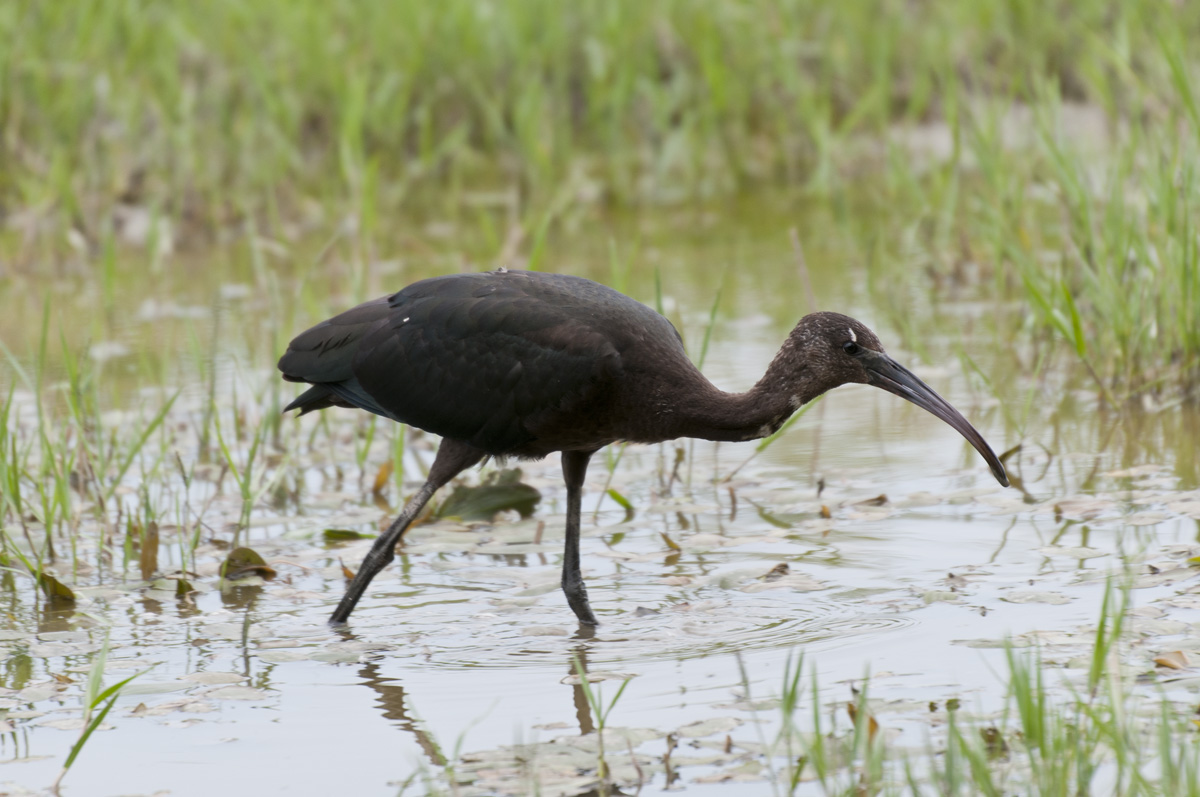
(452, 459)
(574, 465)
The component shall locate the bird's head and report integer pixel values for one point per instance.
(837, 350)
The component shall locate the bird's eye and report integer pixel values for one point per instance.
(851, 348)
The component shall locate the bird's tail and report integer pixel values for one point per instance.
(317, 397)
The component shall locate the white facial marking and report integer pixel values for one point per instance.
(405, 321)
(853, 337)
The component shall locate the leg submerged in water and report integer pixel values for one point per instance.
(452, 459)
(574, 465)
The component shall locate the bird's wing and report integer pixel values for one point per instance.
(482, 361)
(324, 355)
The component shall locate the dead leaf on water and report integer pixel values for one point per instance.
(1052, 598)
(598, 676)
(37, 693)
(1175, 660)
(188, 705)
(709, 542)
(777, 572)
(1189, 508)
(501, 491)
(283, 656)
(955, 582)
(872, 726)
(212, 678)
(1159, 627)
(1146, 518)
(800, 582)
(335, 656)
(243, 562)
(708, 727)
(1082, 508)
(56, 591)
(1158, 578)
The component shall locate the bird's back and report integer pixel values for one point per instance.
(513, 362)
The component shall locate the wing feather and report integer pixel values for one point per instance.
(484, 366)
(490, 359)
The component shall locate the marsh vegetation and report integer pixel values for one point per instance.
(1005, 191)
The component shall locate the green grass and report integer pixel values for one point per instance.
(305, 150)
(174, 127)
(1101, 739)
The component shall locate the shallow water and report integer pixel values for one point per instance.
(465, 643)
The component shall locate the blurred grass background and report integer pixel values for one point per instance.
(184, 185)
(283, 117)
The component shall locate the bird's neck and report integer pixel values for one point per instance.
(760, 411)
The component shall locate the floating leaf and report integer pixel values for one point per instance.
(214, 678)
(503, 491)
(237, 693)
(55, 590)
(243, 562)
(337, 535)
(825, 513)
(1052, 598)
(670, 543)
(701, 728)
(1175, 660)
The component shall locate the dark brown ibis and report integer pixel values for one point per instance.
(522, 364)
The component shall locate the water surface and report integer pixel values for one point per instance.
(465, 644)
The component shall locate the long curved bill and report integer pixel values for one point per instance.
(884, 372)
